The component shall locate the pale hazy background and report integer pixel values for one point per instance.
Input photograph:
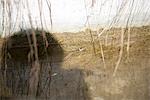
(75, 15)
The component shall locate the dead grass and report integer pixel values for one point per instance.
(132, 75)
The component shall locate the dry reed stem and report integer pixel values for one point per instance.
(106, 39)
(50, 13)
(102, 52)
(121, 52)
(128, 42)
(43, 33)
(89, 29)
(34, 79)
(31, 53)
